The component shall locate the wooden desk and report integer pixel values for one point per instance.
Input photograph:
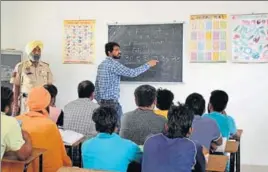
(231, 146)
(75, 169)
(35, 154)
(79, 144)
(216, 163)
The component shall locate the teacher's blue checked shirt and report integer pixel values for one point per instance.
(109, 75)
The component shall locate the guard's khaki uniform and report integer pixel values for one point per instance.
(27, 76)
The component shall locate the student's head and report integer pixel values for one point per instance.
(6, 100)
(86, 89)
(53, 91)
(112, 49)
(145, 96)
(39, 100)
(180, 120)
(196, 103)
(105, 119)
(218, 101)
(164, 99)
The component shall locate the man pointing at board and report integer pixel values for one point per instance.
(109, 74)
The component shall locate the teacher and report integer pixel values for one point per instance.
(107, 85)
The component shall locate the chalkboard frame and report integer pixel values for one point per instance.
(155, 23)
(10, 52)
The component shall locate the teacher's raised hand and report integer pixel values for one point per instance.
(152, 63)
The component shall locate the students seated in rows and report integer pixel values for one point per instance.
(13, 139)
(55, 113)
(138, 124)
(205, 130)
(164, 101)
(173, 150)
(217, 105)
(108, 151)
(43, 131)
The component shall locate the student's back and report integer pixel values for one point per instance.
(108, 152)
(205, 131)
(139, 124)
(162, 154)
(78, 113)
(222, 121)
(142, 122)
(44, 134)
(43, 131)
(173, 151)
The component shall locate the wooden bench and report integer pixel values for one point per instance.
(36, 153)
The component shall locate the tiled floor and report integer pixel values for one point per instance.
(252, 168)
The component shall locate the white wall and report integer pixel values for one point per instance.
(246, 84)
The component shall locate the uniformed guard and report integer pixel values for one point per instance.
(28, 74)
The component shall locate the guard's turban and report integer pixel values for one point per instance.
(32, 45)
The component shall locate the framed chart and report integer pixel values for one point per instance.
(249, 38)
(208, 38)
(79, 41)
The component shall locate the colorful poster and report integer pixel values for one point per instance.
(208, 39)
(250, 38)
(79, 41)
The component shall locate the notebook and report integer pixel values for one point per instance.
(70, 137)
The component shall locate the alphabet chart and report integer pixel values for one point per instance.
(79, 41)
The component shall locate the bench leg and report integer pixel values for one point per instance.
(232, 160)
(25, 167)
(238, 159)
(41, 163)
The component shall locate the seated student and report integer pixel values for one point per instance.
(233, 129)
(78, 113)
(164, 100)
(205, 130)
(13, 139)
(108, 151)
(140, 123)
(43, 131)
(55, 113)
(217, 104)
(173, 150)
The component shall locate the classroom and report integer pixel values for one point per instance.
(244, 82)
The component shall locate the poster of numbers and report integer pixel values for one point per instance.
(79, 41)
(208, 39)
(250, 38)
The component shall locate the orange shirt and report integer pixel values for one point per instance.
(44, 134)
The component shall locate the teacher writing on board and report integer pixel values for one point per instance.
(107, 85)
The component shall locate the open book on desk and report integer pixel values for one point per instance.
(70, 137)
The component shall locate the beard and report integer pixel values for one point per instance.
(117, 57)
(35, 57)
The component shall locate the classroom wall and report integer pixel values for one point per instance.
(246, 84)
